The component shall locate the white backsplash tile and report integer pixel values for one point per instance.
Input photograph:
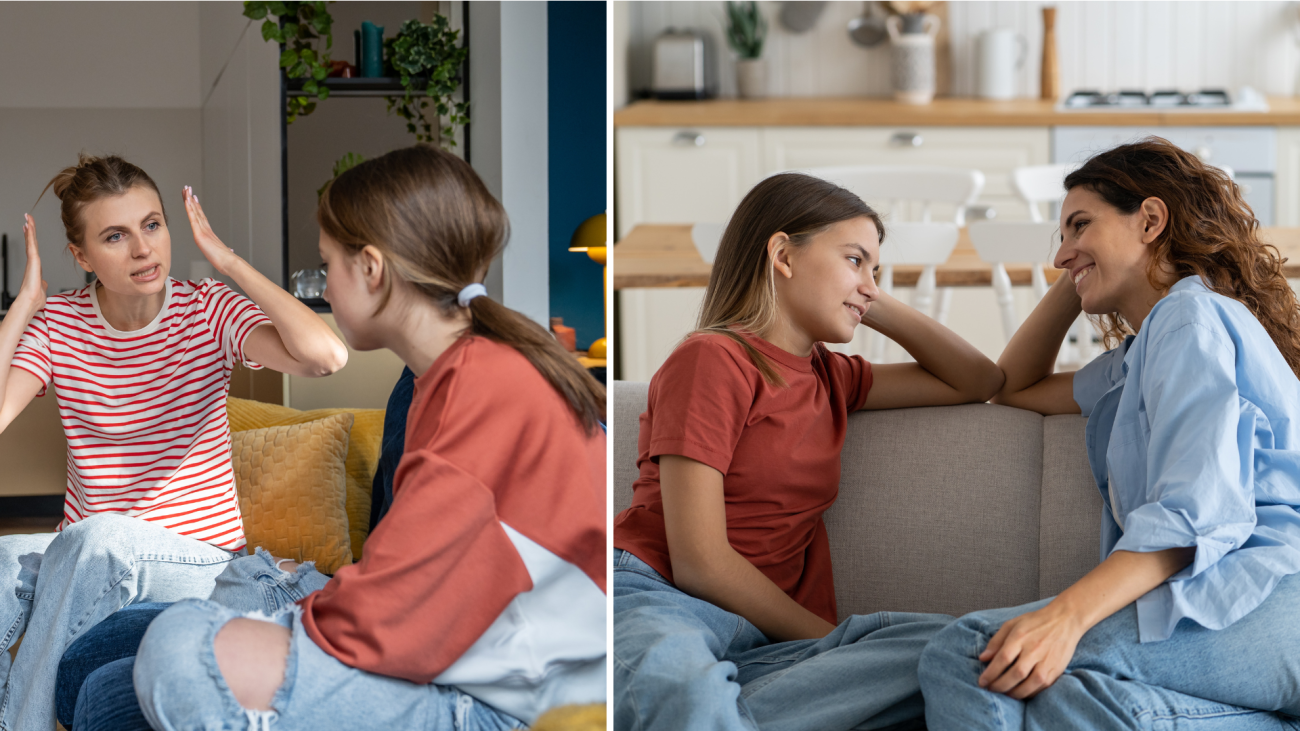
(1100, 45)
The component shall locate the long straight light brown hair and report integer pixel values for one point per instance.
(439, 229)
(741, 296)
(1211, 232)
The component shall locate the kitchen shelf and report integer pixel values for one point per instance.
(378, 86)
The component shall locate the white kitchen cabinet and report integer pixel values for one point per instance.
(994, 151)
(1286, 211)
(682, 175)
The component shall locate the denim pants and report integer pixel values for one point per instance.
(1199, 679)
(682, 664)
(180, 686)
(95, 689)
(54, 587)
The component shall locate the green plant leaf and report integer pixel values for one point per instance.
(270, 31)
(255, 10)
(288, 58)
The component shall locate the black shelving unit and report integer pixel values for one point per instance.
(382, 86)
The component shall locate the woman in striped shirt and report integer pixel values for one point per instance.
(141, 367)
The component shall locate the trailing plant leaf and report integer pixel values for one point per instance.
(427, 57)
(746, 29)
(297, 25)
(342, 165)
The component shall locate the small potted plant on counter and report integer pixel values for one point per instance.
(746, 31)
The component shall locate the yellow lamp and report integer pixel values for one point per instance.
(590, 237)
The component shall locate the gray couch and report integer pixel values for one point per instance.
(948, 509)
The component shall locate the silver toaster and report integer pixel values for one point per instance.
(684, 66)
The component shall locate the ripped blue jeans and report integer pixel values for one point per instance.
(180, 686)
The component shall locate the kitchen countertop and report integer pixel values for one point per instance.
(867, 111)
(664, 255)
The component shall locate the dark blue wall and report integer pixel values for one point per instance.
(575, 40)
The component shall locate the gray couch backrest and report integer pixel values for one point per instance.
(948, 509)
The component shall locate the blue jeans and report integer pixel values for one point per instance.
(1246, 676)
(681, 663)
(180, 686)
(116, 638)
(95, 691)
(56, 586)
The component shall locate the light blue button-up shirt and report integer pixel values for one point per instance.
(1194, 431)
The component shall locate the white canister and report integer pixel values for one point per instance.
(1000, 52)
(913, 57)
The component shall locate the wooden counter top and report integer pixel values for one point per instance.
(865, 111)
(664, 255)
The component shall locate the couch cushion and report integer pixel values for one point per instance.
(629, 403)
(292, 484)
(1069, 539)
(938, 510)
(363, 451)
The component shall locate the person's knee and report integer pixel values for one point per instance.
(175, 670)
(96, 534)
(961, 640)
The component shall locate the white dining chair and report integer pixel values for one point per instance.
(904, 187)
(1014, 242)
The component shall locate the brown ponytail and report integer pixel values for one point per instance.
(439, 229)
(89, 180)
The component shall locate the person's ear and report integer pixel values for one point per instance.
(1154, 216)
(80, 257)
(371, 262)
(778, 252)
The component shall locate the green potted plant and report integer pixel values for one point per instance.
(427, 57)
(296, 26)
(746, 32)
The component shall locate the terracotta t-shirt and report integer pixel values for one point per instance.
(777, 448)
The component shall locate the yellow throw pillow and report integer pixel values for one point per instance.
(573, 718)
(363, 450)
(292, 485)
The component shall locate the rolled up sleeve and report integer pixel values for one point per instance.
(1198, 470)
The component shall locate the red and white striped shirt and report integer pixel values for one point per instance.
(145, 411)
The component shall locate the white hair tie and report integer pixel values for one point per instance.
(470, 292)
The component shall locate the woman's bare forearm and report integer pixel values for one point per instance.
(306, 336)
(1031, 355)
(11, 331)
(938, 350)
(1119, 581)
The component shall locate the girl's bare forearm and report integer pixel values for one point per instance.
(728, 580)
(938, 350)
(306, 336)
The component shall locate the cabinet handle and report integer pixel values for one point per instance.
(905, 139)
(689, 139)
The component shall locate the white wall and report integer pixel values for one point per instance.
(77, 78)
(1100, 45)
(240, 140)
(93, 55)
(508, 143)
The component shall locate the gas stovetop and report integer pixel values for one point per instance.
(1164, 100)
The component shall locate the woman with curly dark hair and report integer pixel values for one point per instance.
(1193, 436)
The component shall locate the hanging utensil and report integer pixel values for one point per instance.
(800, 17)
(868, 30)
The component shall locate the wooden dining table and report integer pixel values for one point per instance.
(664, 255)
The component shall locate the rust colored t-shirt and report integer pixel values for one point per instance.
(778, 450)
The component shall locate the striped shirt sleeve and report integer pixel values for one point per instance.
(33, 351)
(231, 317)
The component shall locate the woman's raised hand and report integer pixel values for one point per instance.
(32, 291)
(217, 253)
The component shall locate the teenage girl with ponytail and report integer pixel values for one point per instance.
(480, 600)
(724, 605)
(141, 366)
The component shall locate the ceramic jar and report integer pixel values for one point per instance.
(912, 38)
(751, 78)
